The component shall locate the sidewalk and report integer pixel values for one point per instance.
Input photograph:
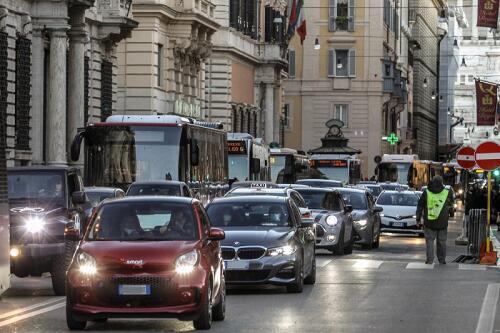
(495, 240)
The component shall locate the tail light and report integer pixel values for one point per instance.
(306, 215)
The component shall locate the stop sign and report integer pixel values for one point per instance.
(488, 155)
(466, 157)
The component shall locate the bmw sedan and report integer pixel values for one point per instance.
(266, 241)
(366, 216)
(323, 183)
(147, 257)
(334, 226)
(400, 209)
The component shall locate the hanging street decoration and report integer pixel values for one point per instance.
(487, 13)
(486, 103)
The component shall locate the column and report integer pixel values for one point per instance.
(76, 77)
(474, 29)
(37, 95)
(56, 104)
(269, 117)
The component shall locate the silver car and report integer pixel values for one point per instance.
(366, 216)
(334, 226)
(400, 209)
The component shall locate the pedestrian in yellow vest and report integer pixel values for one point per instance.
(434, 208)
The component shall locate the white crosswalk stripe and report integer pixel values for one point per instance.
(367, 264)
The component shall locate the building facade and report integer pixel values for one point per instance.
(60, 62)
(162, 64)
(359, 74)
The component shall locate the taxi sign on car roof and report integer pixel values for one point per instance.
(258, 185)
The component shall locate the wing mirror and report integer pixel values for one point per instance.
(378, 209)
(306, 223)
(216, 234)
(71, 232)
(79, 198)
(348, 209)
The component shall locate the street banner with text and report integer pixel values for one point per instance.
(487, 13)
(486, 103)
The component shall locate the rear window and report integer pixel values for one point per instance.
(356, 200)
(244, 193)
(96, 197)
(322, 184)
(320, 200)
(375, 190)
(143, 221)
(172, 190)
(397, 199)
(246, 214)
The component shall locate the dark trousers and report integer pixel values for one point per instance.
(439, 236)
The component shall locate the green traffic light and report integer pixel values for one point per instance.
(496, 173)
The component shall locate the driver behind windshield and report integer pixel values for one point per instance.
(131, 227)
(179, 226)
(276, 215)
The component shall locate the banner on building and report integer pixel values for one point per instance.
(487, 13)
(486, 103)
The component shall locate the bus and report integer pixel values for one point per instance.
(126, 149)
(344, 168)
(5, 252)
(454, 176)
(248, 158)
(288, 165)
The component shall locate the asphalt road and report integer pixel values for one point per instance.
(384, 290)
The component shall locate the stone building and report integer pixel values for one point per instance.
(162, 64)
(60, 63)
(353, 66)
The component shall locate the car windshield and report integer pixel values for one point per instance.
(151, 189)
(390, 187)
(397, 199)
(277, 168)
(238, 167)
(322, 184)
(319, 200)
(240, 193)
(249, 214)
(43, 186)
(95, 197)
(356, 200)
(144, 221)
(375, 190)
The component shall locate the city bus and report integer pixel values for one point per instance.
(4, 236)
(248, 158)
(126, 149)
(344, 168)
(288, 165)
(454, 176)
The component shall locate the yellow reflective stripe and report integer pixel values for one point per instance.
(435, 203)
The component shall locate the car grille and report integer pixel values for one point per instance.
(251, 253)
(247, 275)
(320, 231)
(228, 253)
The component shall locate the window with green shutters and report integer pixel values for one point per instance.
(341, 15)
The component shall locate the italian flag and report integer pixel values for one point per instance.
(301, 20)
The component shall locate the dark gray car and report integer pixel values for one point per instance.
(365, 214)
(164, 187)
(96, 194)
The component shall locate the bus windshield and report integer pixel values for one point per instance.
(394, 172)
(238, 167)
(120, 155)
(277, 167)
(340, 174)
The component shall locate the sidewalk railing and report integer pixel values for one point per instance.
(476, 232)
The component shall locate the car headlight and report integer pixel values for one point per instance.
(362, 223)
(382, 214)
(455, 205)
(185, 263)
(86, 263)
(414, 216)
(332, 221)
(460, 191)
(34, 224)
(282, 250)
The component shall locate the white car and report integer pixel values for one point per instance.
(399, 212)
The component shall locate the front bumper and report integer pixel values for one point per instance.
(279, 270)
(171, 295)
(401, 226)
(364, 233)
(327, 236)
(34, 259)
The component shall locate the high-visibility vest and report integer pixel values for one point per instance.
(435, 203)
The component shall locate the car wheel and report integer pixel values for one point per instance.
(339, 249)
(370, 245)
(350, 246)
(298, 285)
(376, 243)
(219, 310)
(204, 321)
(311, 278)
(58, 275)
(72, 323)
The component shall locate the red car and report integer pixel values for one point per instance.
(147, 257)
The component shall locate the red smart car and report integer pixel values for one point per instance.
(147, 257)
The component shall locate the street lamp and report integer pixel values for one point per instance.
(463, 64)
(425, 82)
(433, 96)
(317, 45)
(455, 43)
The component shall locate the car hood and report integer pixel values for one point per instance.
(148, 255)
(399, 210)
(256, 236)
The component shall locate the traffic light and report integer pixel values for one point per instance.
(496, 173)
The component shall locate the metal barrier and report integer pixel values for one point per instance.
(476, 232)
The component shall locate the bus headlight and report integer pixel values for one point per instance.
(34, 224)
(332, 221)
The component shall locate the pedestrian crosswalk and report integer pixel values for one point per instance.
(369, 264)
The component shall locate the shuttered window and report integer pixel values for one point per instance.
(341, 15)
(331, 15)
(106, 89)
(342, 63)
(3, 115)
(291, 63)
(23, 92)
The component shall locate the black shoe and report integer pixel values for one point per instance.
(428, 262)
(442, 262)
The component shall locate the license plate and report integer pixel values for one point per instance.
(237, 264)
(134, 289)
(398, 224)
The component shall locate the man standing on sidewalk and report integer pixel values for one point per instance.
(434, 207)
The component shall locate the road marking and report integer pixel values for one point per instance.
(368, 264)
(471, 267)
(322, 264)
(486, 320)
(419, 265)
(32, 314)
(29, 308)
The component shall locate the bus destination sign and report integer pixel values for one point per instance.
(236, 147)
(329, 163)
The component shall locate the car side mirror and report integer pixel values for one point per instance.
(79, 198)
(71, 233)
(195, 153)
(348, 209)
(306, 223)
(216, 234)
(378, 209)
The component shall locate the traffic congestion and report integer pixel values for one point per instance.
(145, 236)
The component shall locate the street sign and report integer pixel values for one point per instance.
(466, 157)
(488, 155)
